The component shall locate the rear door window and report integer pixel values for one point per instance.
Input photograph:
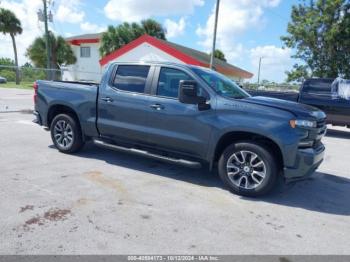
(131, 78)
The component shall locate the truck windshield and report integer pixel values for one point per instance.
(221, 84)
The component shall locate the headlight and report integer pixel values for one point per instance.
(302, 123)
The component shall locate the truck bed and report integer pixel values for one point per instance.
(291, 96)
(77, 82)
(80, 96)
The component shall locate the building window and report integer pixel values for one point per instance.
(131, 78)
(85, 51)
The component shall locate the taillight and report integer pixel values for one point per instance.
(35, 87)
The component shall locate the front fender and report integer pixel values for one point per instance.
(256, 120)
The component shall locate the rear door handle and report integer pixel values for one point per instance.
(157, 106)
(107, 99)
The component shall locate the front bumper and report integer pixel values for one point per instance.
(307, 161)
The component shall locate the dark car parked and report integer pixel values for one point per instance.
(3, 80)
(317, 92)
(187, 115)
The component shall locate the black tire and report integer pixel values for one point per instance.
(75, 137)
(269, 167)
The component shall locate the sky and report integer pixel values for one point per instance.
(247, 29)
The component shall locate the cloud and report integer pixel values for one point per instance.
(275, 61)
(235, 18)
(91, 28)
(26, 13)
(69, 11)
(174, 28)
(136, 10)
(68, 34)
(273, 3)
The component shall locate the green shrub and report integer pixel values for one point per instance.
(30, 74)
(9, 75)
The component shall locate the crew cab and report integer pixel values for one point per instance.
(187, 115)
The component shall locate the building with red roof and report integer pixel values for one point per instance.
(90, 65)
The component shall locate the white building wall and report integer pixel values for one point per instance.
(86, 68)
(89, 69)
(146, 52)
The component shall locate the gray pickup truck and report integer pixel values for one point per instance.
(187, 115)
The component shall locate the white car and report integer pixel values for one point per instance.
(3, 80)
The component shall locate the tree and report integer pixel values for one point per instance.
(118, 36)
(265, 82)
(7, 69)
(4, 61)
(153, 28)
(10, 24)
(298, 74)
(320, 32)
(219, 55)
(29, 73)
(61, 52)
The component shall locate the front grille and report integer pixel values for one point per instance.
(321, 123)
(317, 134)
(321, 131)
(317, 144)
(321, 128)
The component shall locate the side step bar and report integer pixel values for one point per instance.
(140, 152)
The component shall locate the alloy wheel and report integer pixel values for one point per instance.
(63, 134)
(246, 169)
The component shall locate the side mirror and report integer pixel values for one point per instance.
(188, 92)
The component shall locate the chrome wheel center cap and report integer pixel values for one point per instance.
(246, 169)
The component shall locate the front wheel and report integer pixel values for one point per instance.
(66, 134)
(248, 168)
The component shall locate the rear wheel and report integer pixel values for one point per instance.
(66, 134)
(248, 168)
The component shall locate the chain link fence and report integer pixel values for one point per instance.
(30, 74)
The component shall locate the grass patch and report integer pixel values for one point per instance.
(22, 85)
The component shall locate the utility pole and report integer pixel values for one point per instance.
(259, 69)
(214, 36)
(47, 41)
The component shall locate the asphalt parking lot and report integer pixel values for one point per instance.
(104, 202)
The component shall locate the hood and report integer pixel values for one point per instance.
(297, 109)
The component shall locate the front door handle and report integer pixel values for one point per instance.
(157, 106)
(107, 99)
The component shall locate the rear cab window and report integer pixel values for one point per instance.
(131, 78)
(321, 86)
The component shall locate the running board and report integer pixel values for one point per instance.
(140, 152)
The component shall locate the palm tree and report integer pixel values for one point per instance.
(62, 53)
(10, 24)
(219, 55)
(153, 28)
(116, 37)
(108, 41)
